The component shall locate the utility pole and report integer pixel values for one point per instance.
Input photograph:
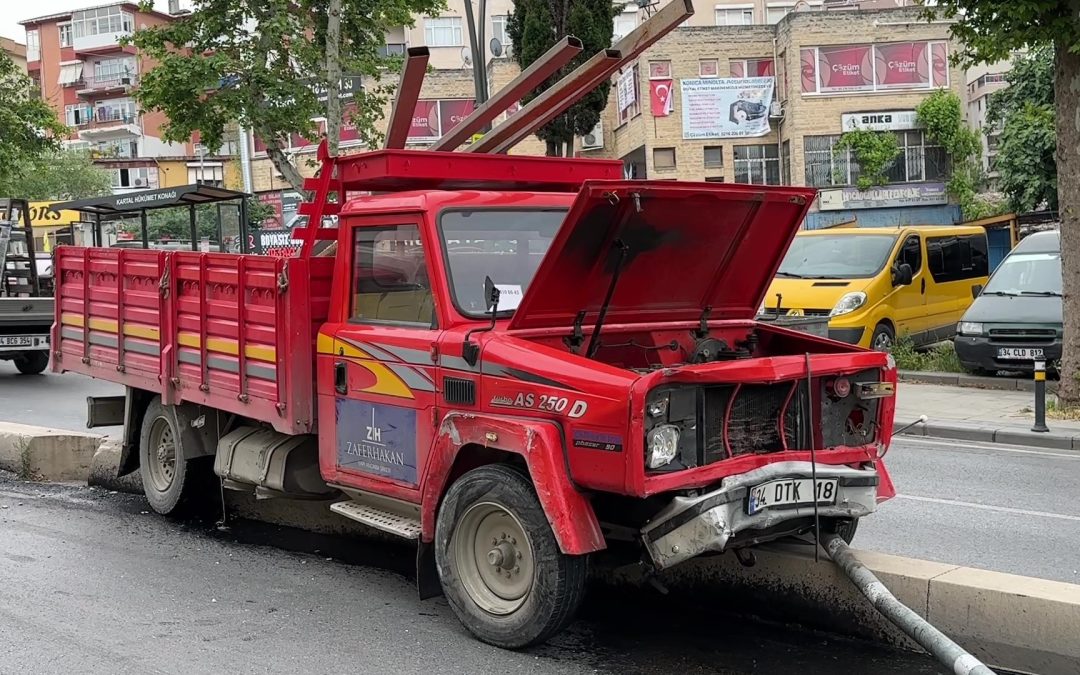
(476, 48)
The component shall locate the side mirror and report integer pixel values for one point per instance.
(902, 275)
(470, 351)
(491, 295)
(975, 290)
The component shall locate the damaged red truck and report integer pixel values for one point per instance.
(516, 361)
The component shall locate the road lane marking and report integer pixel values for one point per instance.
(988, 446)
(987, 507)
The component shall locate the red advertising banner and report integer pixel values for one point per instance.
(939, 56)
(425, 122)
(348, 128)
(848, 68)
(902, 65)
(808, 58)
(274, 200)
(453, 112)
(298, 141)
(661, 102)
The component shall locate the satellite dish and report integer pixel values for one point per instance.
(466, 56)
(496, 47)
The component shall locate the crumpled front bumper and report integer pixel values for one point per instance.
(690, 526)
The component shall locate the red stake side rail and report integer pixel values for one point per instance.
(233, 332)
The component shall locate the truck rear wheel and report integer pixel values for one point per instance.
(169, 481)
(499, 564)
(32, 363)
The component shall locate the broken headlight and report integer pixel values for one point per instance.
(662, 445)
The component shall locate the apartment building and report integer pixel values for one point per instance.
(982, 81)
(87, 76)
(15, 51)
(767, 103)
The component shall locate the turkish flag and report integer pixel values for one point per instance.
(662, 103)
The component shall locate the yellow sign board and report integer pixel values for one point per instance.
(42, 216)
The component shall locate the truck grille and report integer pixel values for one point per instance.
(1010, 335)
(761, 418)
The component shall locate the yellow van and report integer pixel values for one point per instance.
(877, 283)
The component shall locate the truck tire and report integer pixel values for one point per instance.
(170, 482)
(32, 363)
(499, 564)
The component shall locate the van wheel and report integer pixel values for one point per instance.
(499, 564)
(883, 338)
(170, 482)
(32, 363)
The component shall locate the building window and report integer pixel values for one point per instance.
(751, 67)
(206, 175)
(628, 94)
(101, 21)
(115, 149)
(708, 68)
(65, 34)
(824, 166)
(735, 17)
(390, 279)
(625, 22)
(77, 115)
(773, 13)
(757, 164)
(714, 157)
(663, 158)
(498, 32)
(132, 178)
(33, 45)
(119, 110)
(70, 73)
(443, 31)
(659, 70)
(392, 49)
(917, 162)
(114, 70)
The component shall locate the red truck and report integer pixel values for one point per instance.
(515, 361)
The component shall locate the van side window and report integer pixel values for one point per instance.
(390, 277)
(911, 253)
(955, 258)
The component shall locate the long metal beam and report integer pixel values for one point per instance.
(565, 90)
(539, 111)
(408, 93)
(558, 56)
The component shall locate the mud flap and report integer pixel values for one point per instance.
(427, 576)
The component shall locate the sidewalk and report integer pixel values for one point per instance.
(985, 415)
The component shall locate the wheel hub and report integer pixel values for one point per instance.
(163, 469)
(493, 557)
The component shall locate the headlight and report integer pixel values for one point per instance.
(969, 328)
(849, 303)
(663, 445)
(658, 408)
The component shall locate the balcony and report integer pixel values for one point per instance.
(108, 124)
(109, 84)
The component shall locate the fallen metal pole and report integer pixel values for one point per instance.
(530, 78)
(914, 626)
(408, 93)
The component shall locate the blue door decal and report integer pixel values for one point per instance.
(377, 439)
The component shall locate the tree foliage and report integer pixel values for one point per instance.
(534, 27)
(1024, 114)
(29, 128)
(61, 175)
(875, 151)
(942, 118)
(261, 62)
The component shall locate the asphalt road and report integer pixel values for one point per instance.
(90, 582)
(49, 400)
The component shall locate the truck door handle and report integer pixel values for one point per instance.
(340, 382)
(922, 287)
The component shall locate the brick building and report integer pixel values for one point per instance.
(15, 51)
(830, 71)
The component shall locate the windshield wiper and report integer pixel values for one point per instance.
(791, 275)
(1048, 294)
(1007, 294)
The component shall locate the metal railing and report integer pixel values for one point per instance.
(106, 82)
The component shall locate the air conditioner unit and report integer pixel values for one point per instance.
(776, 109)
(140, 182)
(594, 140)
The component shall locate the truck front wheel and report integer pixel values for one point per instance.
(499, 564)
(169, 481)
(32, 363)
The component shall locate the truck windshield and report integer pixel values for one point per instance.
(506, 245)
(839, 256)
(1027, 274)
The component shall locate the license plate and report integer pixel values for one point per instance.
(1020, 353)
(790, 492)
(16, 341)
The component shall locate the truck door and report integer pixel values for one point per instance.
(909, 302)
(378, 409)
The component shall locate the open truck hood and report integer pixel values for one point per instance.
(684, 247)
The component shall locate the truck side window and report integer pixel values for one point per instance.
(911, 253)
(390, 277)
(957, 258)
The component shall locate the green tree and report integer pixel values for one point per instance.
(1023, 113)
(942, 118)
(61, 176)
(253, 64)
(990, 30)
(875, 152)
(28, 126)
(534, 27)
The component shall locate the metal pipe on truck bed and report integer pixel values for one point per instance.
(569, 90)
(541, 69)
(401, 114)
(914, 626)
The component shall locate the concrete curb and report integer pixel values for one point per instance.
(1011, 435)
(1010, 622)
(106, 464)
(973, 381)
(46, 454)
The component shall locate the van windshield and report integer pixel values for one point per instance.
(1027, 274)
(839, 256)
